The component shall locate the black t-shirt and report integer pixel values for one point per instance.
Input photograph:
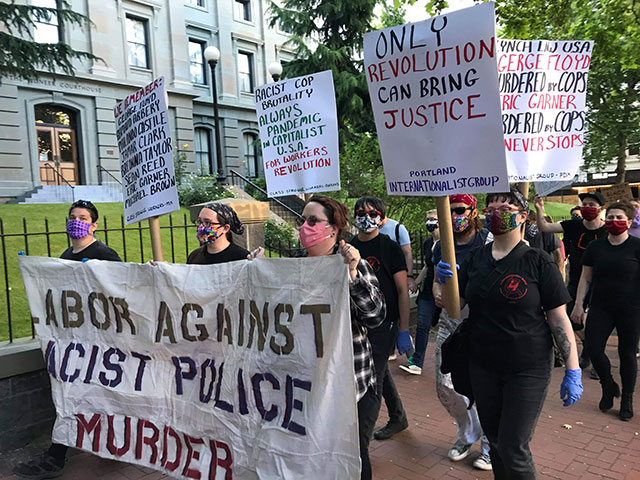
(507, 322)
(200, 256)
(462, 251)
(578, 237)
(96, 251)
(386, 259)
(546, 241)
(616, 272)
(426, 290)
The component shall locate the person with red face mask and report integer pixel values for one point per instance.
(611, 266)
(578, 234)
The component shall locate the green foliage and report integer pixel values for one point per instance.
(254, 192)
(179, 165)
(23, 58)
(196, 189)
(277, 234)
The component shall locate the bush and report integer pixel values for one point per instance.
(199, 189)
(277, 234)
(254, 192)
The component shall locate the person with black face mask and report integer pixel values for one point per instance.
(575, 213)
(577, 235)
(612, 266)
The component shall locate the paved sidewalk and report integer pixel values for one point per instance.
(596, 446)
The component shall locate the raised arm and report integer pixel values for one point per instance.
(543, 225)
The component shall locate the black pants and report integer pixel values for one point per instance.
(59, 452)
(368, 409)
(600, 324)
(509, 406)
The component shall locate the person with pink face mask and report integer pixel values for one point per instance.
(612, 266)
(324, 220)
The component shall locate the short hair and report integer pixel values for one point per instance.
(574, 209)
(627, 208)
(337, 213)
(87, 205)
(375, 202)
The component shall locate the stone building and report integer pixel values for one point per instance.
(60, 126)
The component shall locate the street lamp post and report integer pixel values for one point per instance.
(212, 55)
(275, 70)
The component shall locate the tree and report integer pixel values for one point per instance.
(21, 57)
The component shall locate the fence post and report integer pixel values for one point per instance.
(6, 279)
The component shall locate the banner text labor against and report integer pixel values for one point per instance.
(230, 377)
(543, 87)
(299, 134)
(146, 153)
(434, 91)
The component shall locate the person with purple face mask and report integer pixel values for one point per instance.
(516, 299)
(324, 220)
(215, 223)
(82, 224)
(612, 266)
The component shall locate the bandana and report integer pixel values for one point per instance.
(524, 203)
(466, 198)
(229, 216)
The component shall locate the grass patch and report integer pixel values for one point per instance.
(558, 211)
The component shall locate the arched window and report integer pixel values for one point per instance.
(253, 155)
(203, 150)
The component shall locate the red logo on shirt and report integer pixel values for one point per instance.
(513, 287)
(374, 263)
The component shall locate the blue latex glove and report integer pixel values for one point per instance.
(404, 341)
(571, 387)
(21, 253)
(443, 271)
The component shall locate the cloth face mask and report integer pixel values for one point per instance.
(461, 223)
(367, 224)
(589, 213)
(311, 236)
(206, 235)
(500, 223)
(432, 226)
(616, 227)
(77, 229)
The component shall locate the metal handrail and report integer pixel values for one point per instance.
(283, 205)
(102, 169)
(60, 176)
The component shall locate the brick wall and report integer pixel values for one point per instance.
(26, 409)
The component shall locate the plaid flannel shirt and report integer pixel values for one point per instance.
(368, 310)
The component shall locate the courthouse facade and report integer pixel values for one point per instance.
(64, 126)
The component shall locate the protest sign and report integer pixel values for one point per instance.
(618, 193)
(299, 134)
(244, 374)
(543, 87)
(545, 188)
(146, 155)
(434, 91)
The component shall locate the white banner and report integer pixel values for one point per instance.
(240, 371)
(434, 90)
(146, 155)
(299, 134)
(543, 87)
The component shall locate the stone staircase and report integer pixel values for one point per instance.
(66, 194)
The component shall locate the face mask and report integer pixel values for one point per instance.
(432, 225)
(636, 220)
(206, 235)
(616, 227)
(77, 229)
(367, 224)
(500, 223)
(460, 223)
(576, 217)
(590, 213)
(311, 236)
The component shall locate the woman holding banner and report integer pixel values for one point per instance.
(516, 300)
(612, 266)
(324, 220)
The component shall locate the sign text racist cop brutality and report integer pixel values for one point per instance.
(146, 154)
(434, 91)
(233, 377)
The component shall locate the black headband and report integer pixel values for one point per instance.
(229, 215)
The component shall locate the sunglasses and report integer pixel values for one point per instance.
(371, 213)
(310, 220)
(460, 210)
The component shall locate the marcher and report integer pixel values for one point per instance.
(324, 220)
(215, 223)
(428, 312)
(635, 224)
(468, 235)
(578, 235)
(82, 223)
(545, 241)
(509, 287)
(387, 261)
(398, 233)
(612, 266)
(575, 213)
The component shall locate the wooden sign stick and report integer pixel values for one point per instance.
(452, 295)
(156, 241)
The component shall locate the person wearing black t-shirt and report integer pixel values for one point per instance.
(215, 223)
(82, 223)
(388, 263)
(516, 300)
(611, 266)
(578, 234)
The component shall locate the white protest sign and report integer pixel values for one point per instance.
(545, 188)
(434, 90)
(146, 155)
(299, 134)
(543, 87)
(244, 374)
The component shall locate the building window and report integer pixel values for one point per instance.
(138, 40)
(196, 63)
(245, 72)
(195, 3)
(243, 9)
(47, 28)
(202, 142)
(253, 155)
